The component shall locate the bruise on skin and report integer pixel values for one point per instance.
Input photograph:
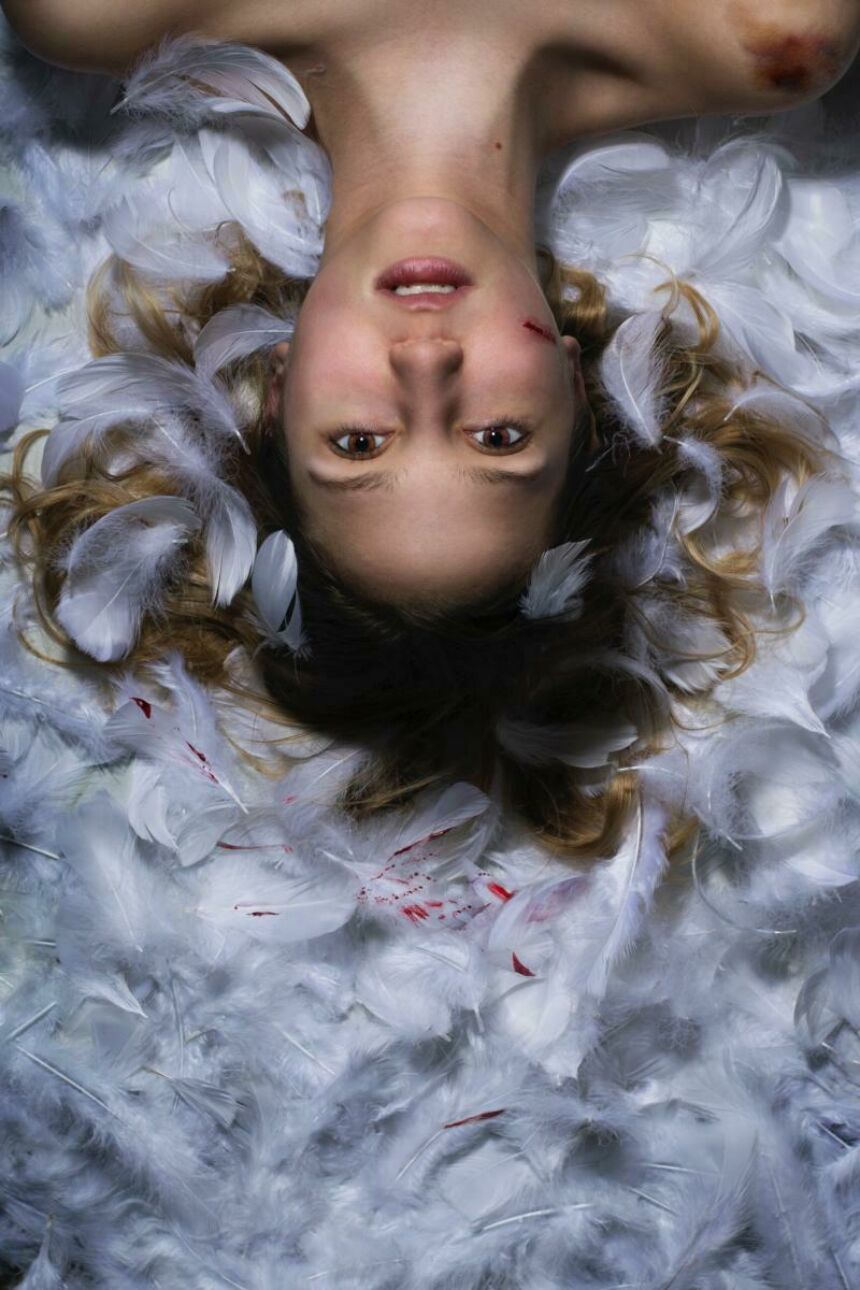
(789, 61)
(796, 62)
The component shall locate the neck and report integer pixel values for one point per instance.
(459, 124)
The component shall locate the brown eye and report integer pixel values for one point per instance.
(501, 437)
(359, 443)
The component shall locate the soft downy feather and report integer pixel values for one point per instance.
(557, 581)
(632, 371)
(116, 571)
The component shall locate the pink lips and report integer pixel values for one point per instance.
(436, 269)
(408, 273)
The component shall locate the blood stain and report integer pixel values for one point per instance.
(473, 1119)
(498, 890)
(520, 966)
(794, 63)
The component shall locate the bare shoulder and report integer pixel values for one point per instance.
(103, 35)
(756, 55)
(655, 59)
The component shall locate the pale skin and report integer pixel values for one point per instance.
(436, 121)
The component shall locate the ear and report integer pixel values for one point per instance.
(584, 413)
(278, 366)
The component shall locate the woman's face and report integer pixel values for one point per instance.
(428, 436)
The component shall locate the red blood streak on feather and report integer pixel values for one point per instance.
(204, 760)
(415, 913)
(434, 904)
(473, 1119)
(521, 967)
(419, 841)
(145, 707)
(498, 890)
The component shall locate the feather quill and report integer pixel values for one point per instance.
(116, 570)
(642, 868)
(632, 372)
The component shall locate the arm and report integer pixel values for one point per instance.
(98, 35)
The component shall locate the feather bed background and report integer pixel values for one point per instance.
(229, 1054)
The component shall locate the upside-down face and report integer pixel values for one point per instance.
(428, 403)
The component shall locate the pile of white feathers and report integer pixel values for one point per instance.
(244, 1044)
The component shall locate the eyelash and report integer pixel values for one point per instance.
(503, 423)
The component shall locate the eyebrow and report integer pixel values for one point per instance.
(371, 479)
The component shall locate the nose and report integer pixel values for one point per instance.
(426, 361)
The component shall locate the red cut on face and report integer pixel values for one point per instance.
(539, 330)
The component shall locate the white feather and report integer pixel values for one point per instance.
(145, 235)
(699, 502)
(796, 520)
(274, 585)
(115, 572)
(642, 865)
(183, 736)
(267, 204)
(167, 81)
(585, 744)
(42, 1274)
(268, 903)
(632, 371)
(127, 388)
(556, 582)
(196, 467)
(236, 332)
(11, 394)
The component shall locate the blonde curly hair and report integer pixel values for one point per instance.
(434, 695)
